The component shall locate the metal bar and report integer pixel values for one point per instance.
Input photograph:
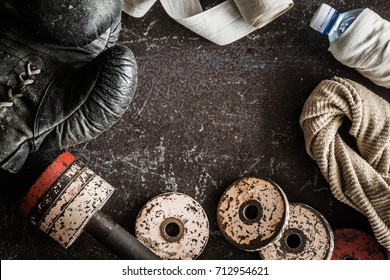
(117, 239)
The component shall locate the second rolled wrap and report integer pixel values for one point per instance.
(222, 24)
(365, 47)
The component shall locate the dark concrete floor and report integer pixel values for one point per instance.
(203, 116)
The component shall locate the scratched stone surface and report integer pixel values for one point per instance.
(203, 117)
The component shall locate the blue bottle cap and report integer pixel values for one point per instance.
(322, 18)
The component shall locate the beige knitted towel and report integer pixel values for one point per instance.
(365, 46)
(358, 178)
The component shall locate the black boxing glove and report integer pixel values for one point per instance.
(53, 97)
(69, 22)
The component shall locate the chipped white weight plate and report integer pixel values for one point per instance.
(252, 213)
(174, 226)
(308, 236)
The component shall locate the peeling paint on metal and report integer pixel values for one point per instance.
(54, 192)
(74, 187)
(173, 206)
(315, 237)
(353, 244)
(86, 203)
(266, 227)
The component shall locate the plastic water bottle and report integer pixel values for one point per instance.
(331, 22)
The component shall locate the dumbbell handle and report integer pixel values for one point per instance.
(117, 239)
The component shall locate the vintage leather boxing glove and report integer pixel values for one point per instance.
(54, 96)
(70, 22)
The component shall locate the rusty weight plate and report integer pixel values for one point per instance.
(44, 182)
(307, 236)
(353, 244)
(252, 213)
(64, 198)
(174, 226)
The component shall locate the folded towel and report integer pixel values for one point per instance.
(359, 178)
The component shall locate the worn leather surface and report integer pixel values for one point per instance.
(81, 91)
(70, 22)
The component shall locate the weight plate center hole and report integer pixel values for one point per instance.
(251, 211)
(172, 229)
(293, 241)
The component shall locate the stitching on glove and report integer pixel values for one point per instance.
(25, 79)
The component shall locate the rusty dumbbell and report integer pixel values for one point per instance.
(67, 200)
